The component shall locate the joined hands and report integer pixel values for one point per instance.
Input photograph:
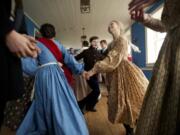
(88, 74)
(22, 45)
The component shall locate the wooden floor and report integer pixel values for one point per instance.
(97, 122)
(6, 131)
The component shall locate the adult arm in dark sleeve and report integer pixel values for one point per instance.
(80, 56)
(5, 24)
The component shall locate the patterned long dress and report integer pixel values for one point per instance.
(16, 109)
(160, 113)
(127, 84)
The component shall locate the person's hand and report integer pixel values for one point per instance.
(139, 4)
(60, 64)
(84, 74)
(34, 42)
(21, 45)
(89, 74)
(139, 15)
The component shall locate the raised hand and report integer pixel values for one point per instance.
(140, 4)
(89, 74)
(139, 15)
(85, 75)
(21, 45)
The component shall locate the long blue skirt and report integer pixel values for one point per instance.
(54, 110)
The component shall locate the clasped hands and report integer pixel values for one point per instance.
(21, 45)
(87, 74)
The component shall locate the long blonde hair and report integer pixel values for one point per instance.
(121, 26)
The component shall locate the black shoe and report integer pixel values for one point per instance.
(82, 106)
(129, 130)
(129, 133)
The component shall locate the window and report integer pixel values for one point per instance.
(37, 34)
(154, 41)
(128, 36)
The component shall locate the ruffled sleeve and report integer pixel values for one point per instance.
(113, 58)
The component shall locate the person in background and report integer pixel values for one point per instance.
(127, 82)
(104, 51)
(54, 109)
(160, 114)
(71, 51)
(90, 56)
(85, 44)
(83, 38)
(13, 45)
(104, 46)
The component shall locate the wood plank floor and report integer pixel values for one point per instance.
(98, 123)
(6, 131)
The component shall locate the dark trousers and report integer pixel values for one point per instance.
(91, 99)
(2, 107)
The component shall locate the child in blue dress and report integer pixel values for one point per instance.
(54, 110)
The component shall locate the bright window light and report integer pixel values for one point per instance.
(154, 41)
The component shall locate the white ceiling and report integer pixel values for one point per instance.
(66, 16)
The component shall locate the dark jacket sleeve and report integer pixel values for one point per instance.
(5, 24)
(80, 56)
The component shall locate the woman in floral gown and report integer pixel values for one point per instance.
(160, 113)
(127, 83)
